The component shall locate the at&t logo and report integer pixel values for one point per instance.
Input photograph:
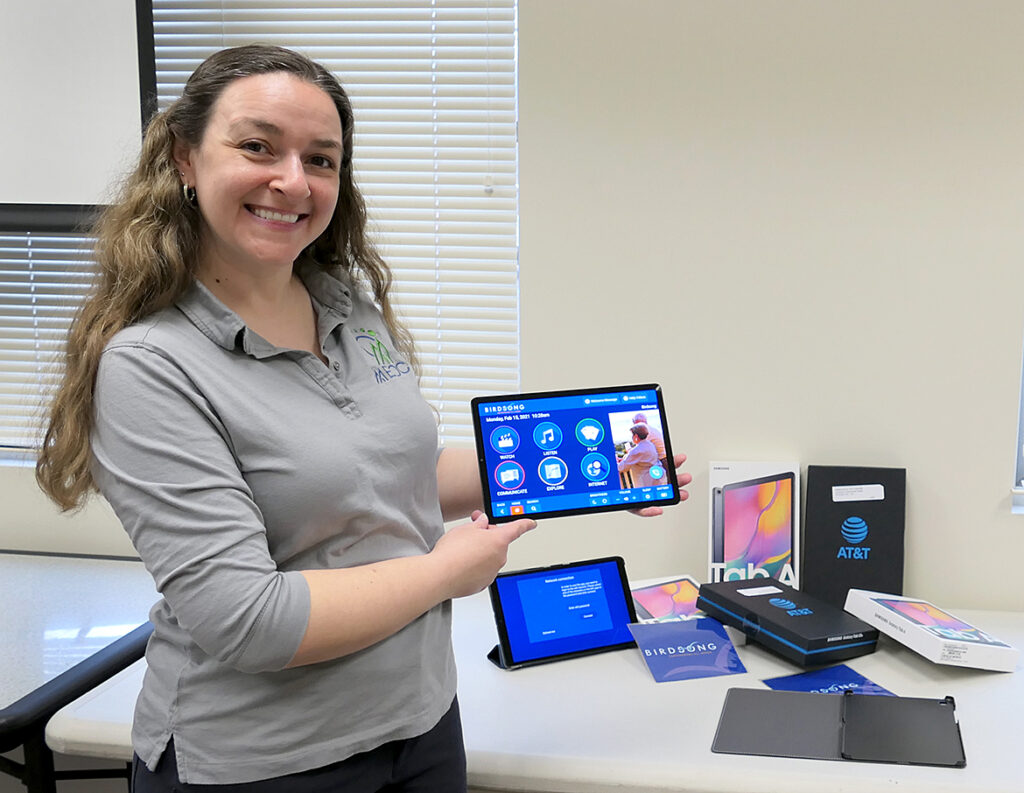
(789, 606)
(854, 531)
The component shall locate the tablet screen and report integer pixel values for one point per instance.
(572, 452)
(757, 524)
(550, 613)
(670, 600)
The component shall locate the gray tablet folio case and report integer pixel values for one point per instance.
(850, 726)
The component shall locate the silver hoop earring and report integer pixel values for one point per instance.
(190, 195)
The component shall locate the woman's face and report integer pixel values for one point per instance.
(265, 172)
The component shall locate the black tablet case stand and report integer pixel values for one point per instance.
(497, 657)
(850, 726)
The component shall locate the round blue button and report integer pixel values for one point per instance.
(590, 432)
(595, 467)
(509, 475)
(504, 440)
(547, 435)
(552, 471)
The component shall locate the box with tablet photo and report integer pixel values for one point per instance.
(933, 632)
(754, 523)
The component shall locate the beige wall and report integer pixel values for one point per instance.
(804, 220)
(29, 521)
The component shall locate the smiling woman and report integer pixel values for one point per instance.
(151, 243)
(265, 178)
(288, 500)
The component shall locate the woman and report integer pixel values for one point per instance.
(222, 392)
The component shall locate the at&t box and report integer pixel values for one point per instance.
(932, 632)
(853, 531)
(793, 624)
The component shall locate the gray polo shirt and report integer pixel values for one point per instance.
(234, 464)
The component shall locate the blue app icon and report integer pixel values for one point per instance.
(656, 472)
(509, 475)
(504, 440)
(590, 432)
(595, 467)
(547, 436)
(552, 471)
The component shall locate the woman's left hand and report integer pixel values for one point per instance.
(682, 479)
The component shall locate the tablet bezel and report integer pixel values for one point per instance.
(485, 478)
(505, 651)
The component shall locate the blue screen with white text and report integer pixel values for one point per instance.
(565, 610)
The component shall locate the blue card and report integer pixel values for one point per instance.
(830, 680)
(686, 650)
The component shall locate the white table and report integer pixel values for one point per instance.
(67, 624)
(600, 723)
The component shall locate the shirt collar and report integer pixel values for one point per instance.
(332, 301)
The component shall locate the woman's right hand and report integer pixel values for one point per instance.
(473, 553)
(354, 607)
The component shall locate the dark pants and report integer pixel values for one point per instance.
(434, 762)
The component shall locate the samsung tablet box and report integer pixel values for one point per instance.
(852, 531)
(793, 624)
(936, 634)
(754, 521)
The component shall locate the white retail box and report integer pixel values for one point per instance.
(936, 634)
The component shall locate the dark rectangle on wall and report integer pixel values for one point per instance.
(47, 218)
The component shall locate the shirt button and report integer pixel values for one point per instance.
(336, 366)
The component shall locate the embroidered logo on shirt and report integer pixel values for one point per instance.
(385, 366)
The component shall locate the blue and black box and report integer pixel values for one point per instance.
(793, 624)
(852, 531)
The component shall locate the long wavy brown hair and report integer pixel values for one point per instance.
(147, 252)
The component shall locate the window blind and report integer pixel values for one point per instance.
(433, 84)
(433, 87)
(42, 279)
